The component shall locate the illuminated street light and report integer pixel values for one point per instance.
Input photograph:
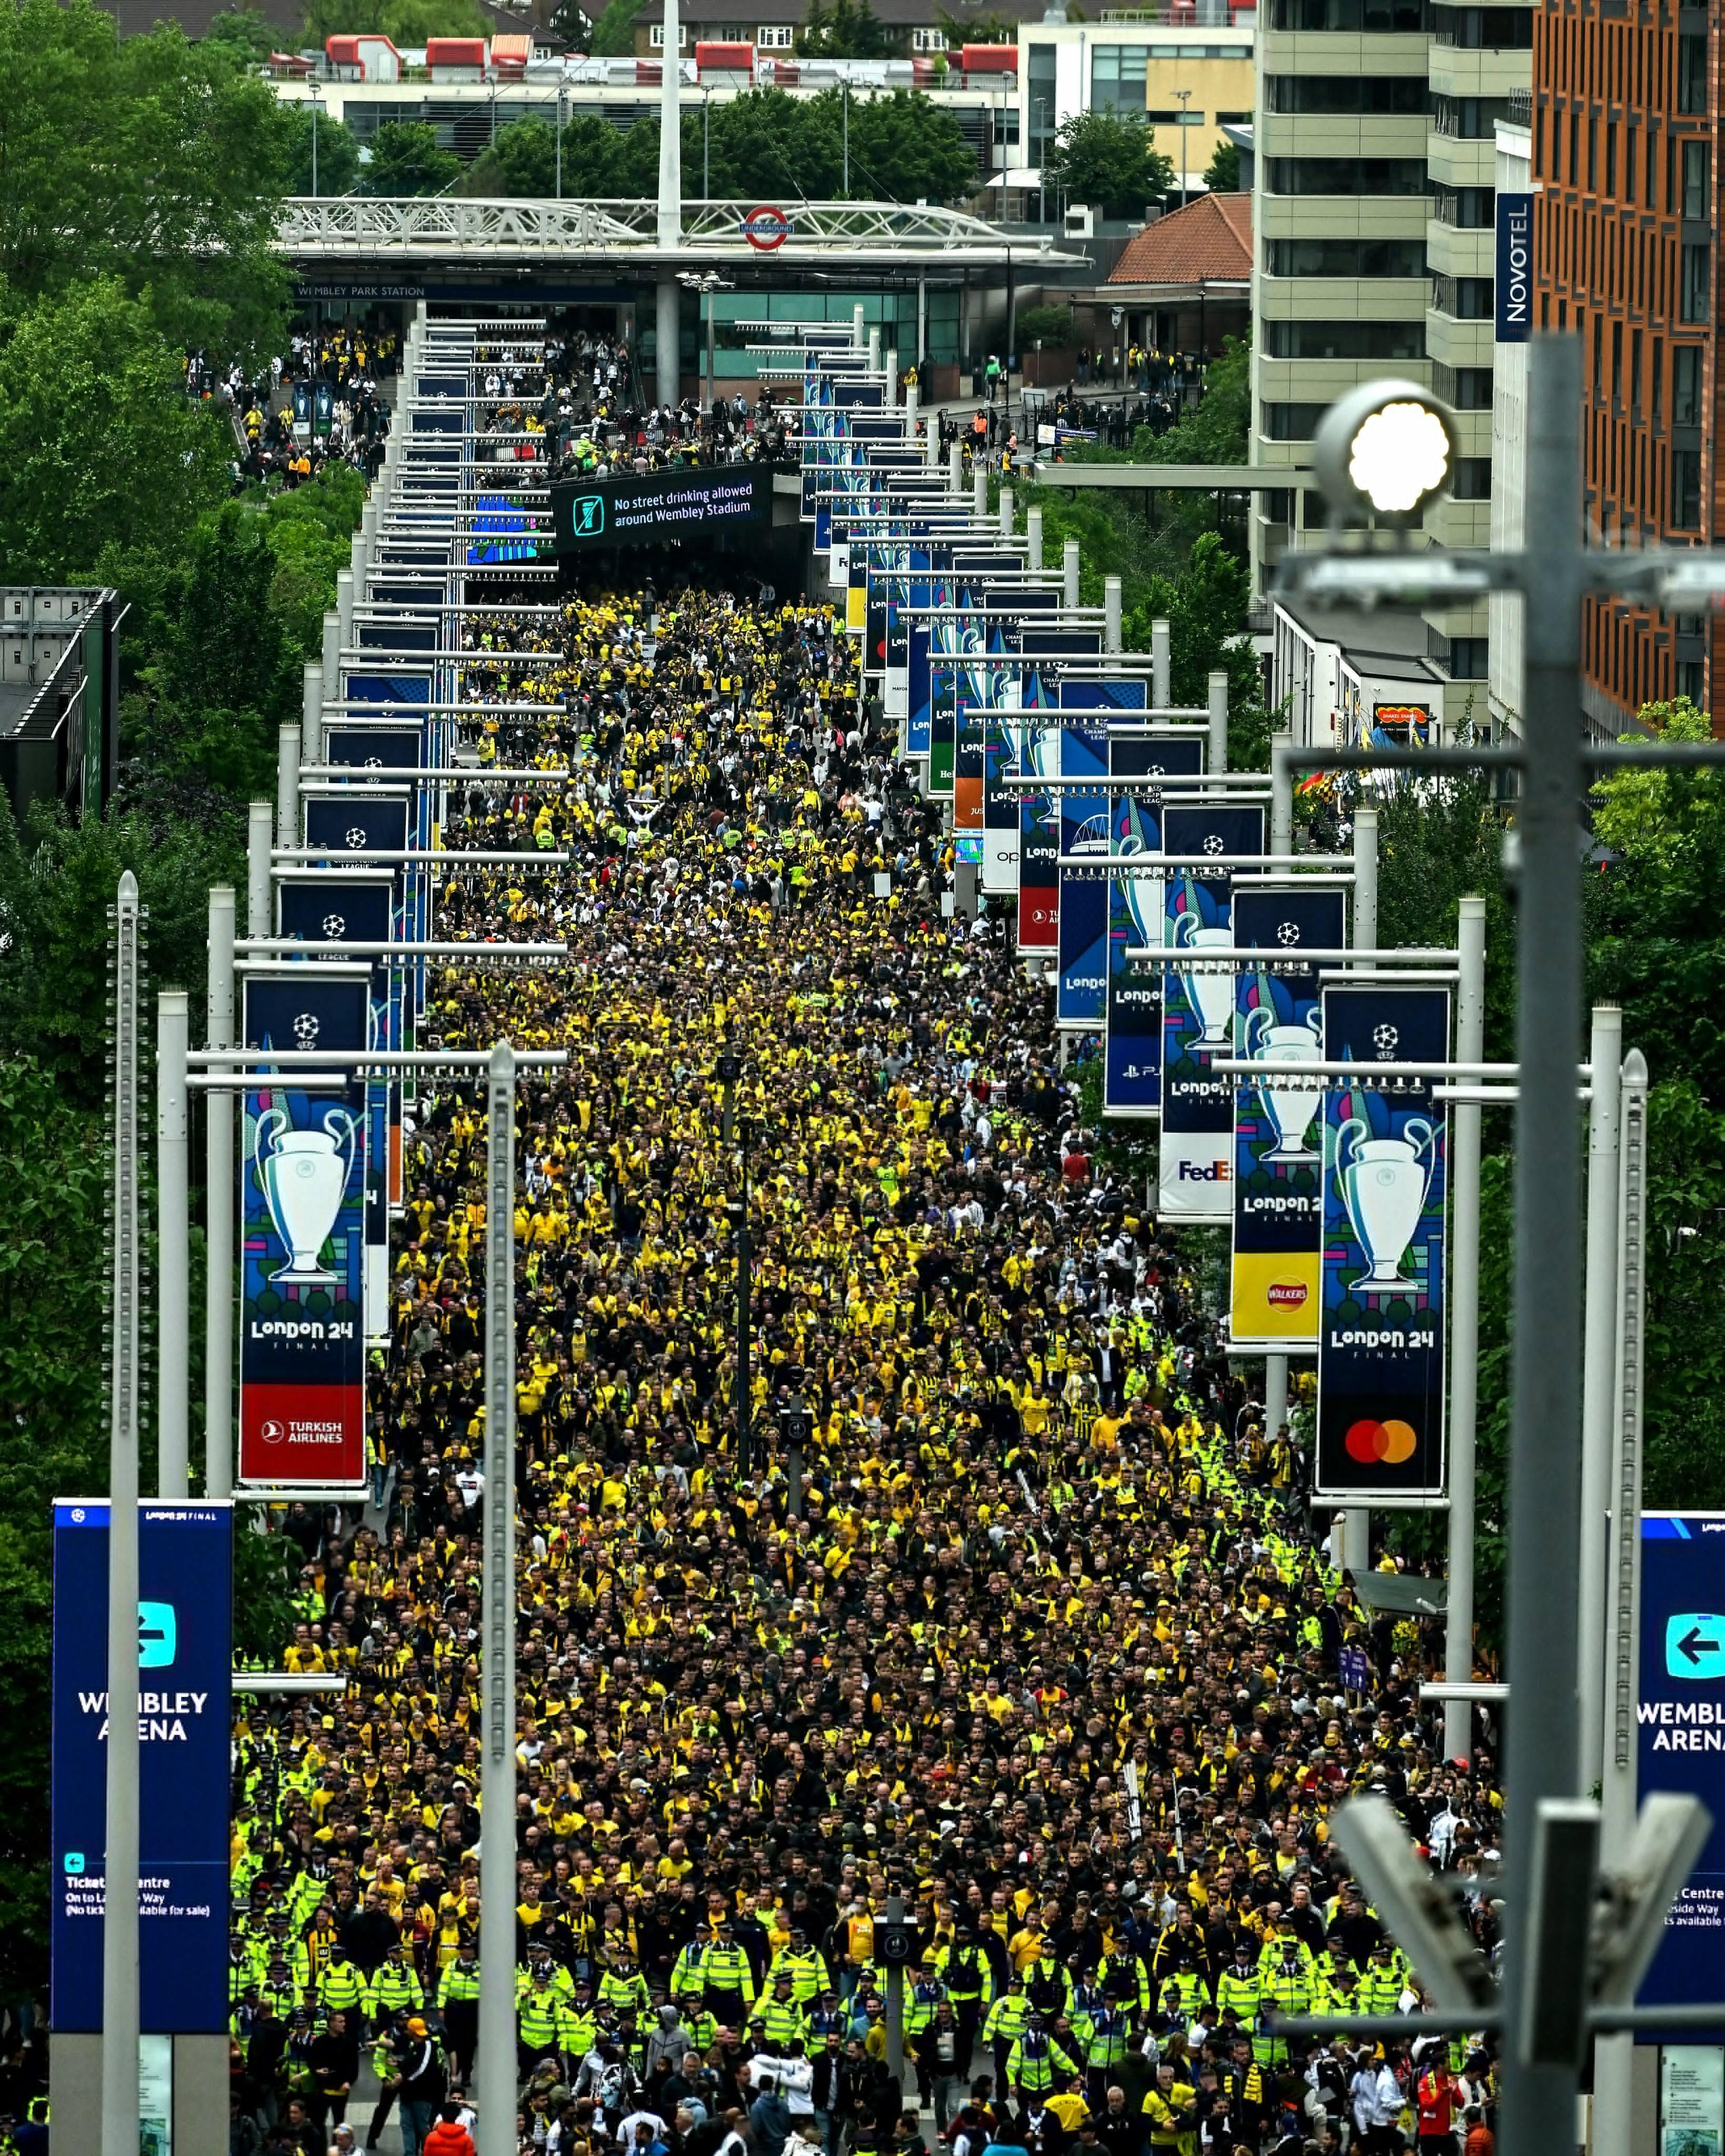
(1386, 450)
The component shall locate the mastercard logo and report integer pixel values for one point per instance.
(1390, 1443)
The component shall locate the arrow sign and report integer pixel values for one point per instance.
(1695, 1644)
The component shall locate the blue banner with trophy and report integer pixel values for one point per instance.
(1278, 1155)
(302, 1194)
(1132, 1042)
(1197, 1007)
(1080, 981)
(1380, 1356)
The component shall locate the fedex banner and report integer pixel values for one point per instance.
(302, 1188)
(1198, 1009)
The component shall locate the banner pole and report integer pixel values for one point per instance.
(1598, 1374)
(120, 1867)
(1355, 1554)
(173, 1259)
(1464, 1329)
(496, 2051)
(218, 1213)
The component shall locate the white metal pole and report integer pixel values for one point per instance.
(259, 840)
(173, 1250)
(1218, 721)
(875, 349)
(496, 2054)
(979, 489)
(1033, 531)
(1008, 512)
(120, 1867)
(1357, 1525)
(311, 713)
(344, 608)
(910, 411)
(1112, 631)
(858, 340)
(889, 361)
(1161, 695)
(1598, 1376)
(1275, 1394)
(1070, 562)
(331, 655)
(220, 1200)
(955, 466)
(1281, 808)
(668, 329)
(287, 787)
(1464, 1328)
(670, 145)
(1614, 2055)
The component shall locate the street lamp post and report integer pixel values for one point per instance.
(1384, 452)
(1042, 162)
(314, 98)
(562, 116)
(1185, 98)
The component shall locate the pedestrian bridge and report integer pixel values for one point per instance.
(419, 231)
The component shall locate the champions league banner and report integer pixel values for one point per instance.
(1131, 1041)
(1278, 1157)
(1380, 1356)
(1197, 1009)
(302, 1195)
(1081, 983)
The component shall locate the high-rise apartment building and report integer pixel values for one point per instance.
(1625, 242)
(1375, 217)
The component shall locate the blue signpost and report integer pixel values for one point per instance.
(185, 1664)
(1680, 1730)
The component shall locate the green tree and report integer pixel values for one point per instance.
(1216, 432)
(1205, 609)
(404, 22)
(153, 162)
(1049, 325)
(406, 159)
(614, 32)
(912, 145)
(96, 437)
(979, 26)
(1107, 162)
(843, 30)
(339, 164)
(1221, 176)
(243, 33)
(522, 161)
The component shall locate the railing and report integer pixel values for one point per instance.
(346, 225)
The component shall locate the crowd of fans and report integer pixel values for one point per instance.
(1041, 1640)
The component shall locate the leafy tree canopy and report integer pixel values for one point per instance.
(1051, 323)
(404, 23)
(1108, 162)
(1216, 432)
(614, 32)
(339, 166)
(407, 160)
(843, 30)
(147, 161)
(1221, 176)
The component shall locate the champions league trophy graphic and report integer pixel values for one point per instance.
(1210, 995)
(1290, 1109)
(304, 1175)
(1383, 1187)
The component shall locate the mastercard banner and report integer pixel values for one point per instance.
(1380, 1358)
(1278, 1139)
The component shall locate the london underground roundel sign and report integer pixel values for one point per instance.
(766, 229)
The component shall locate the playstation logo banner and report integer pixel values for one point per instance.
(1380, 1356)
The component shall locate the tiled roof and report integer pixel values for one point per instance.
(1210, 240)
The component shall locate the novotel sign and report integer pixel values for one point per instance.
(1514, 304)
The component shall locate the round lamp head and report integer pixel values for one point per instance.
(1386, 450)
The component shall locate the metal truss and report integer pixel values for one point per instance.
(442, 228)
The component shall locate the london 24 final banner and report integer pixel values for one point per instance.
(1278, 1154)
(1380, 1355)
(302, 1219)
